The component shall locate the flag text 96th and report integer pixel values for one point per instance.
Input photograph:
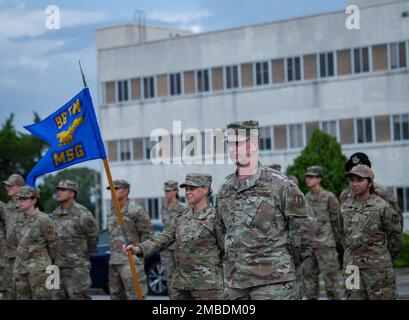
(61, 119)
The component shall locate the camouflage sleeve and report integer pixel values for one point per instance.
(334, 213)
(2, 224)
(393, 202)
(48, 231)
(344, 195)
(392, 227)
(220, 230)
(161, 242)
(143, 225)
(90, 229)
(297, 214)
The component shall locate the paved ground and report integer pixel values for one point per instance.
(402, 282)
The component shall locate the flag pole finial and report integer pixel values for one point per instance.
(82, 74)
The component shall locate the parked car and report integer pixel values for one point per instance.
(153, 267)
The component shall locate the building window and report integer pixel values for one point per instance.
(280, 137)
(347, 131)
(330, 127)
(148, 87)
(293, 69)
(110, 92)
(265, 138)
(122, 87)
(148, 145)
(112, 150)
(383, 128)
(138, 149)
(402, 194)
(232, 77)
(175, 84)
(364, 130)
(203, 80)
(361, 60)
(326, 64)
(401, 127)
(397, 55)
(125, 150)
(153, 208)
(296, 133)
(262, 74)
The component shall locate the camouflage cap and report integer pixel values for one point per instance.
(120, 184)
(197, 180)
(314, 171)
(29, 192)
(242, 130)
(275, 166)
(68, 184)
(14, 180)
(171, 185)
(361, 170)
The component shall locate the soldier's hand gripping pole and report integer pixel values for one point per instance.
(121, 223)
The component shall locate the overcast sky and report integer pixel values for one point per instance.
(39, 67)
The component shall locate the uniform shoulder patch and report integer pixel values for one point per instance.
(298, 200)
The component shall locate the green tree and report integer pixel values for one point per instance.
(323, 150)
(19, 152)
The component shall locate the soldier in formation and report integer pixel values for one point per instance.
(198, 247)
(35, 250)
(13, 186)
(261, 215)
(324, 259)
(372, 238)
(77, 237)
(137, 228)
(171, 207)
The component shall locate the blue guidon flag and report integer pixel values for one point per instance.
(73, 135)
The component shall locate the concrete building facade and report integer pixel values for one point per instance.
(292, 76)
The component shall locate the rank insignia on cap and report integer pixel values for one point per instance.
(355, 160)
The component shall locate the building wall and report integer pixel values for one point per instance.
(375, 93)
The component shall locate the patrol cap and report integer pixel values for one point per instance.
(68, 185)
(14, 180)
(171, 185)
(120, 184)
(314, 171)
(275, 166)
(28, 192)
(198, 180)
(242, 130)
(361, 170)
(357, 158)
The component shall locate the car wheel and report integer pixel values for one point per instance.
(156, 279)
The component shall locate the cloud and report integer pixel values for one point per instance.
(20, 22)
(178, 17)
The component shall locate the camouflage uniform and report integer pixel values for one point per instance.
(11, 215)
(198, 273)
(262, 217)
(3, 282)
(35, 251)
(167, 256)
(372, 237)
(379, 190)
(77, 237)
(324, 259)
(138, 228)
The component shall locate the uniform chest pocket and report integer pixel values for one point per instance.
(260, 214)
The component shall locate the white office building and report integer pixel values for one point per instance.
(292, 76)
